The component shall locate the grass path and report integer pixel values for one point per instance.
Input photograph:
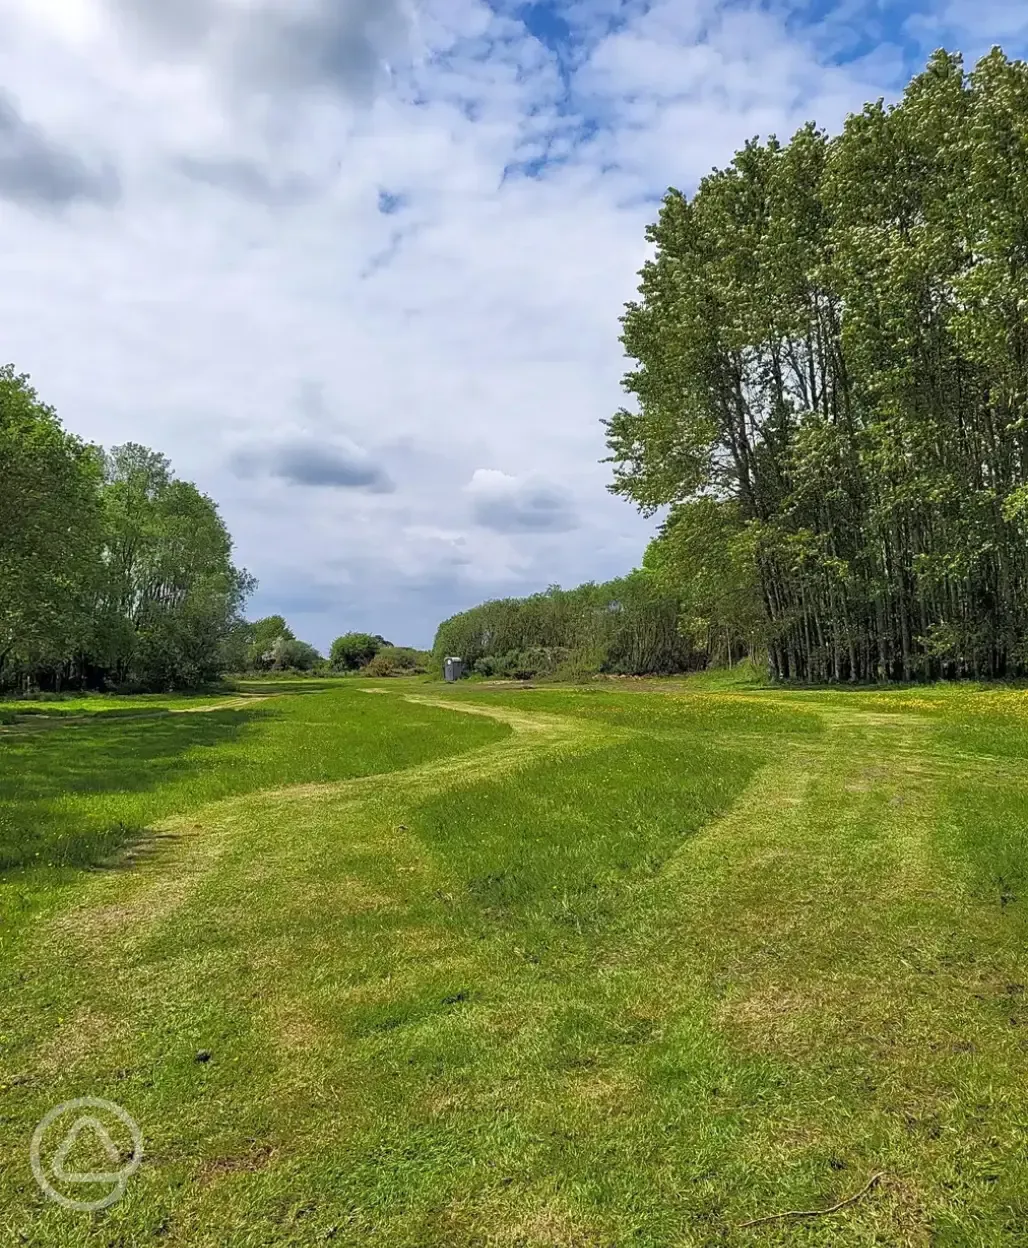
(161, 872)
(634, 974)
(847, 949)
(22, 720)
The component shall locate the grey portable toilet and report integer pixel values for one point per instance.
(453, 669)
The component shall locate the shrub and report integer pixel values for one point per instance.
(293, 654)
(355, 650)
(397, 661)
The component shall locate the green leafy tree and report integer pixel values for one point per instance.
(111, 569)
(171, 595)
(262, 635)
(289, 654)
(704, 553)
(397, 661)
(831, 348)
(629, 625)
(354, 650)
(50, 534)
(235, 650)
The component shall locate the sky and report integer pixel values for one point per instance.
(356, 266)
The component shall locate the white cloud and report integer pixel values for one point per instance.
(528, 504)
(247, 265)
(975, 25)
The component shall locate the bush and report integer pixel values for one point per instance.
(576, 669)
(355, 650)
(536, 661)
(295, 655)
(397, 661)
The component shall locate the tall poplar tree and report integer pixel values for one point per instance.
(832, 377)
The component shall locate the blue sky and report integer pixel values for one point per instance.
(356, 266)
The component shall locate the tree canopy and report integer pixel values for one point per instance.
(50, 530)
(629, 625)
(355, 650)
(832, 388)
(112, 571)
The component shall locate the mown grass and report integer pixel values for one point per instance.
(634, 969)
(74, 794)
(39, 711)
(68, 795)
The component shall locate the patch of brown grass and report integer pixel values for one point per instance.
(295, 1029)
(606, 1092)
(218, 1168)
(549, 1227)
(771, 1017)
(78, 1040)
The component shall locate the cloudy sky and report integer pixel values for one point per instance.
(356, 266)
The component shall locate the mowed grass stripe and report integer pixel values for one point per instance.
(75, 797)
(174, 858)
(646, 969)
(98, 943)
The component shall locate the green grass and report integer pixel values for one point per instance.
(71, 795)
(56, 707)
(599, 966)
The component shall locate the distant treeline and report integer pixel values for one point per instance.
(832, 390)
(627, 626)
(112, 571)
(269, 645)
(114, 574)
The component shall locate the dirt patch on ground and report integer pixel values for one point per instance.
(218, 1168)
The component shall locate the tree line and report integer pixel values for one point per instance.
(115, 574)
(628, 626)
(269, 645)
(831, 390)
(112, 571)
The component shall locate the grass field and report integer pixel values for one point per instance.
(608, 966)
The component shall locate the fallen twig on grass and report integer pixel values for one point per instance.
(816, 1213)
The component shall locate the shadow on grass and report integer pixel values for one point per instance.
(241, 688)
(60, 788)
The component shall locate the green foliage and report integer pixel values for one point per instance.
(354, 650)
(261, 637)
(704, 552)
(832, 346)
(112, 571)
(50, 531)
(268, 645)
(398, 661)
(170, 595)
(289, 654)
(629, 626)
